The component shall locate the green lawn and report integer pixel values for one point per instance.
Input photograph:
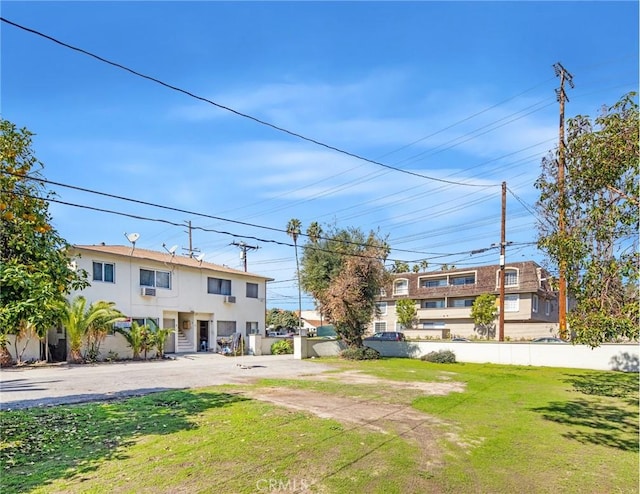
(513, 429)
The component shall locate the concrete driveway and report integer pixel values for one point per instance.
(32, 386)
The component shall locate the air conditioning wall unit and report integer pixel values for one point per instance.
(147, 291)
(230, 299)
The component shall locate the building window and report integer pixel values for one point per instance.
(460, 302)
(149, 322)
(252, 290)
(252, 327)
(380, 326)
(104, 271)
(469, 279)
(158, 279)
(432, 324)
(401, 287)
(511, 303)
(534, 303)
(433, 283)
(547, 307)
(433, 304)
(383, 292)
(510, 277)
(218, 286)
(381, 308)
(226, 328)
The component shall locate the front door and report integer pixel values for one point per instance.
(203, 332)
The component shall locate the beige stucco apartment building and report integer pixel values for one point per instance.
(444, 298)
(201, 301)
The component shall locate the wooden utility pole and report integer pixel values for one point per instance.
(503, 244)
(562, 276)
(243, 251)
(191, 249)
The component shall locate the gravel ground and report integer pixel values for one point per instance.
(45, 385)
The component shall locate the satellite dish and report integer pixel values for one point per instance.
(132, 237)
(173, 249)
(200, 257)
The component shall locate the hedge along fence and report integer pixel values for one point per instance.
(622, 357)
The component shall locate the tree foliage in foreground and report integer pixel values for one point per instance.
(35, 266)
(282, 319)
(483, 313)
(406, 312)
(344, 271)
(600, 241)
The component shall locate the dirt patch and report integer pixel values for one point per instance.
(380, 413)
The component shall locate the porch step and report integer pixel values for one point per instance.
(184, 345)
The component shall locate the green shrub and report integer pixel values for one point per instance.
(282, 347)
(360, 353)
(440, 357)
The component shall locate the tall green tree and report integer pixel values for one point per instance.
(281, 318)
(314, 232)
(293, 230)
(399, 267)
(599, 244)
(344, 272)
(406, 312)
(483, 313)
(82, 323)
(36, 272)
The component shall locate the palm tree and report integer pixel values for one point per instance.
(137, 337)
(314, 232)
(158, 337)
(79, 321)
(293, 230)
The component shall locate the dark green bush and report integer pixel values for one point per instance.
(440, 357)
(282, 347)
(360, 353)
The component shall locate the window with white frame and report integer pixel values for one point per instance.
(380, 326)
(401, 287)
(436, 303)
(510, 277)
(381, 308)
(157, 279)
(218, 286)
(149, 322)
(511, 303)
(383, 292)
(432, 324)
(252, 290)
(534, 303)
(467, 279)
(104, 271)
(226, 328)
(252, 327)
(433, 282)
(547, 307)
(460, 302)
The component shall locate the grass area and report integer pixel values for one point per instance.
(513, 429)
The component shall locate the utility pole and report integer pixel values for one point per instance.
(243, 251)
(503, 244)
(561, 96)
(191, 249)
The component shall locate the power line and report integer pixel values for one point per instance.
(231, 110)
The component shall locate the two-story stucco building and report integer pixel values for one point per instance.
(201, 301)
(444, 299)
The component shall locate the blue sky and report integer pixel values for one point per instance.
(457, 91)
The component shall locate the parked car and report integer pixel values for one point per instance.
(548, 339)
(386, 336)
(460, 339)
